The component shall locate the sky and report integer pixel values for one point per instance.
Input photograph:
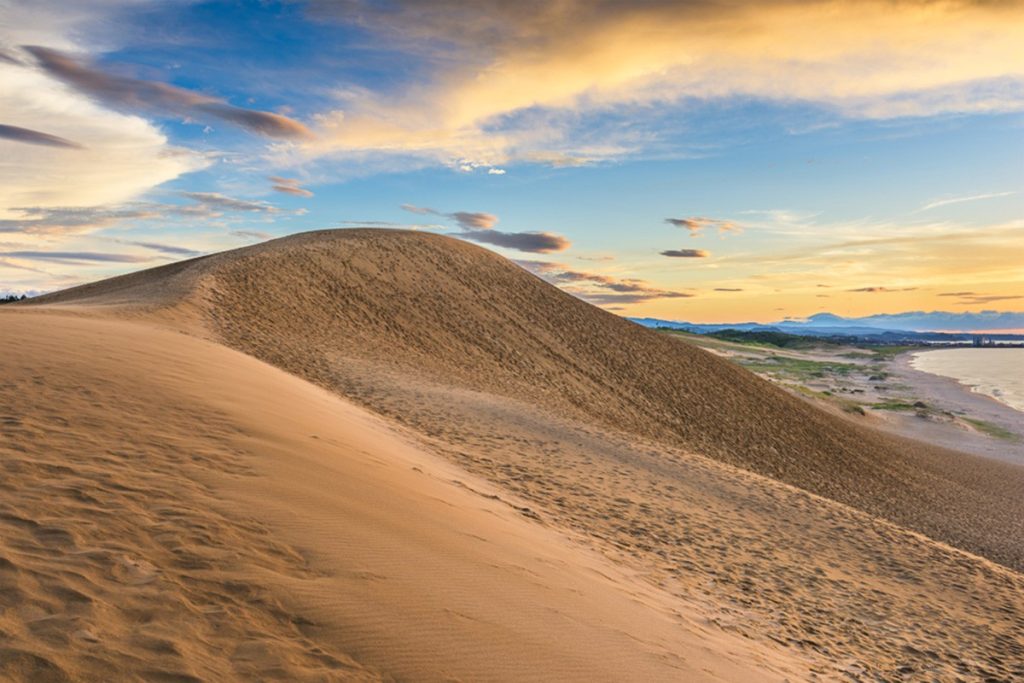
(709, 161)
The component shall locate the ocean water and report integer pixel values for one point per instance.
(998, 373)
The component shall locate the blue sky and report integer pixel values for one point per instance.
(853, 157)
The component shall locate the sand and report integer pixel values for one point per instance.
(176, 511)
(529, 488)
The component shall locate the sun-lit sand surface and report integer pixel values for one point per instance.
(492, 481)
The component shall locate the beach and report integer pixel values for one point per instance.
(995, 372)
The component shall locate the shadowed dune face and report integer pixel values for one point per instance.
(333, 306)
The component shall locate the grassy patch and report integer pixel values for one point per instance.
(845, 404)
(992, 430)
(895, 405)
(798, 368)
(766, 338)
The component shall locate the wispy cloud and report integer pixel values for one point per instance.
(252, 234)
(599, 288)
(686, 253)
(697, 224)
(35, 137)
(478, 226)
(217, 200)
(137, 94)
(37, 220)
(75, 257)
(290, 186)
(168, 249)
(960, 200)
(881, 290)
(970, 299)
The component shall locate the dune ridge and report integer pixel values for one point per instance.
(826, 545)
(426, 306)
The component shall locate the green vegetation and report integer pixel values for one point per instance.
(896, 405)
(992, 430)
(798, 368)
(780, 340)
(845, 404)
(11, 298)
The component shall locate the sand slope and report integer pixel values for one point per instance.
(174, 511)
(646, 452)
(337, 307)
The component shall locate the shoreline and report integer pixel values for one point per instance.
(950, 395)
(973, 390)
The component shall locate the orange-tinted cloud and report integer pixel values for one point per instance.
(697, 224)
(495, 58)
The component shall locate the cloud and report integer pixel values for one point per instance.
(985, 299)
(252, 234)
(470, 220)
(168, 249)
(882, 290)
(117, 157)
(960, 200)
(479, 227)
(215, 199)
(598, 288)
(501, 80)
(957, 294)
(422, 210)
(474, 221)
(697, 224)
(132, 93)
(289, 186)
(686, 253)
(728, 289)
(34, 137)
(533, 242)
(36, 220)
(495, 171)
(9, 58)
(75, 257)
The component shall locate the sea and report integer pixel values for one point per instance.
(998, 373)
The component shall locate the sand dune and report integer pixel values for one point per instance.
(645, 505)
(334, 306)
(176, 511)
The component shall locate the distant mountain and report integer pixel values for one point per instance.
(910, 326)
(926, 321)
